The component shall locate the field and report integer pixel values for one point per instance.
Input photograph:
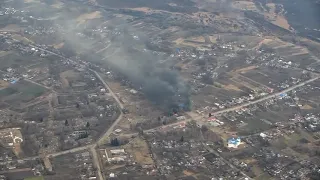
(140, 150)
(89, 16)
(3, 84)
(35, 178)
(15, 60)
(22, 91)
(68, 76)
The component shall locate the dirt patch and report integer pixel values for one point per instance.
(4, 53)
(58, 46)
(282, 22)
(140, 150)
(3, 84)
(213, 39)
(231, 87)
(257, 170)
(187, 42)
(265, 41)
(199, 39)
(246, 69)
(245, 5)
(67, 76)
(21, 38)
(142, 9)
(188, 173)
(57, 5)
(276, 19)
(88, 16)
(12, 28)
(31, 1)
(250, 161)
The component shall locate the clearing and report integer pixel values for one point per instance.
(88, 16)
(67, 77)
(140, 150)
(35, 178)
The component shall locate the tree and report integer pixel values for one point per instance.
(204, 128)
(181, 139)
(115, 142)
(66, 123)
(87, 125)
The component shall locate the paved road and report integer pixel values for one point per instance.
(105, 135)
(274, 95)
(110, 130)
(197, 117)
(92, 147)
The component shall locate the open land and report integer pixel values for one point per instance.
(158, 90)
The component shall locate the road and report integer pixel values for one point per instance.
(225, 161)
(266, 97)
(198, 118)
(92, 147)
(33, 82)
(193, 117)
(110, 129)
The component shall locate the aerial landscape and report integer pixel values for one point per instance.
(160, 90)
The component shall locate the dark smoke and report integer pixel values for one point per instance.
(160, 84)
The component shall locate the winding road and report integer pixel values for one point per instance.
(92, 147)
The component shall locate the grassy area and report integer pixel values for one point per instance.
(22, 91)
(139, 149)
(33, 90)
(7, 91)
(15, 60)
(35, 178)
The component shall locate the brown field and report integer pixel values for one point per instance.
(282, 22)
(31, 1)
(21, 38)
(213, 39)
(4, 53)
(140, 150)
(277, 19)
(199, 39)
(184, 42)
(245, 5)
(257, 170)
(66, 76)
(57, 5)
(306, 107)
(188, 173)
(246, 69)
(231, 87)
(142, 9)
(58, 46)
(88, 16)
(3, 84)
(250, 160)
(12, 28)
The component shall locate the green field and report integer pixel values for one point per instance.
(35, 178)
(22, 91)
(15, 60)
(7, 91)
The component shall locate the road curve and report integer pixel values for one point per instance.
(110, 129)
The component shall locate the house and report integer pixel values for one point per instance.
(234, 142)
